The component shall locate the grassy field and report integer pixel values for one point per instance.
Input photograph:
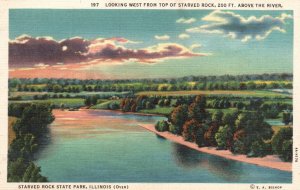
(254, 93)
(11, 133)
(37, 85)
(270, 81)
(229, 110)
(158, 110)
(104, 104)
(68, 102)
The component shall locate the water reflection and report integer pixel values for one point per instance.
(160, 137)
(111, 147)
(191, 159)
(93, 123)
(43, 142)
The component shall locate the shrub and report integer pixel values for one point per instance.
(162, 126)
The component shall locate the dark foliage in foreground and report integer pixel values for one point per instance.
(29, 129)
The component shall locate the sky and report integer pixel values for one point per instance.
(122, 44)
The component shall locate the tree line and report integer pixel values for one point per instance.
(270, 110)
(13, 82)
(240, 132)
(138, 87)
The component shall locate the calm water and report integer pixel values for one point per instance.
(105, 146)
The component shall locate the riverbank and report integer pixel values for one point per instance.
(270, 161)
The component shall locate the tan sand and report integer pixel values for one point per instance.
(270, 161)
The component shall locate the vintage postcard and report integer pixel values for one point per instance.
(149, 94)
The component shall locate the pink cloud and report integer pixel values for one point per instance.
(27, 51)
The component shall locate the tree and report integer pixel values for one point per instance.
(250, 128)
(217, 117)
(161, 102)
(224, 136)
(199, 136)
(167, 102)
(287, 117)
(88, 101)
(209, 135)
(94, 100)
(255, 103)
(287, 150)
(126, 104)
(34, 120)
(178, 117)
(238, 146)
(20, 171)
(62, 106)
(280, 143)
(258, 149)
(240, 105)
(149, 105)
(15, 170)
(32, 174)
(114, 106)
(22, 147)
(197, 109)
(189, 130)
(254, 125)
(229, 118)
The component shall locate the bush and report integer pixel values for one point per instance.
(162, 126)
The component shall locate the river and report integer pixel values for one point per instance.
(108, 146)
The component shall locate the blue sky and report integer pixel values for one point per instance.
(223, 54)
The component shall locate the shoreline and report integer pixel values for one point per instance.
(269, 161)
(120, 111)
